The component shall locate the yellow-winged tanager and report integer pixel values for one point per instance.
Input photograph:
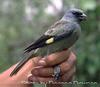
(61, 35)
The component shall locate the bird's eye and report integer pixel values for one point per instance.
(77, 13)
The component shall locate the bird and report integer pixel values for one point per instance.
(61, 35)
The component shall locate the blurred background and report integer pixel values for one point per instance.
(23, 21)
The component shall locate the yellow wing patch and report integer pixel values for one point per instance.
(49, 41)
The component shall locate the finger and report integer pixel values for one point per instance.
(36, 60)
(65, 78)
(40, 79)
(69, 75)
(54, 58)
(49, 71)
(68, 64)
(43, 72)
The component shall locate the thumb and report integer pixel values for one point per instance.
(54, 58)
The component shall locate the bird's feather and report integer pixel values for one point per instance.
(54, 32)
(57, 28)
(49, 41)
(25, 57)
(37, 42)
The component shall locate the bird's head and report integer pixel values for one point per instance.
(75, 14)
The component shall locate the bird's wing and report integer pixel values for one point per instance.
(38, 43)
(58, 28)
(53, 34)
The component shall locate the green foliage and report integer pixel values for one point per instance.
(16, 32)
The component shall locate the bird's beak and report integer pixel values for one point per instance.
(84, 16)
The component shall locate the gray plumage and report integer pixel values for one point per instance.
(63, 34)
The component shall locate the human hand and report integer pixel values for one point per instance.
(56, 58)
(18, 79)
(66, 61)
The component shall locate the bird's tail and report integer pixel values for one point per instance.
(26, 57)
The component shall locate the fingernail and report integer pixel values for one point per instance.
(32, 79)
(42, 63)
(29, 75)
